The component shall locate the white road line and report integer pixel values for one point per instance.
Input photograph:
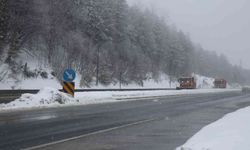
(90, 134)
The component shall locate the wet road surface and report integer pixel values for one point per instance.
(159, 124)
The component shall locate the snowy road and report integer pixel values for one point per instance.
(160, 123)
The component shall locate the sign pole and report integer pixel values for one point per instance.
(69, 76)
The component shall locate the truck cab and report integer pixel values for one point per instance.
(187, 83)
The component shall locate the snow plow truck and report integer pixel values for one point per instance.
(220, 83)
(187, 83)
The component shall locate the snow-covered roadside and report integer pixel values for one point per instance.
(46, 97)
(232, 132)
(99, 97)
(49, 97)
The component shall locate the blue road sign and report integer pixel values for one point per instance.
(69, 75)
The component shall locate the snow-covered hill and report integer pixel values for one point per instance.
(32, 72)
(162, 82)
(29, 72)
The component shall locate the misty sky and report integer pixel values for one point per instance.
(218, 25)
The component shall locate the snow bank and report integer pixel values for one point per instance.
(49, 97)
(204, 82)
(103, 96)
(44, 98)
(232, 132)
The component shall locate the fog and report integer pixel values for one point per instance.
(218, 25)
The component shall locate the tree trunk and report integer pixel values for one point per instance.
(97, 65)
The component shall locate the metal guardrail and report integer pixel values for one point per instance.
(140, 89)
(10, 92)
(15, 92)
(7, 96)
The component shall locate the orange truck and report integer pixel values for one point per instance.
(220, 83)
(187, 83)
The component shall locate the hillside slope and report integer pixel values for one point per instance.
(32, 72)
(27, 72)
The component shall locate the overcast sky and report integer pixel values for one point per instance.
(218, 25)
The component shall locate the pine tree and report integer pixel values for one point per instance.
(4, 23)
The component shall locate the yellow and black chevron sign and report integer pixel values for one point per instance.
(69, 88)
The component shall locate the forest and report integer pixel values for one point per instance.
(106, 41)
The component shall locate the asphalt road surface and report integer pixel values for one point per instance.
(153, 124)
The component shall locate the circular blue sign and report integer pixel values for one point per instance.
(69, 75)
